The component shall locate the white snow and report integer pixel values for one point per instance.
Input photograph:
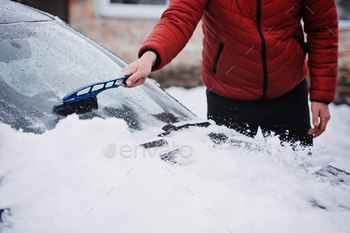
(335, 140)
(90, 176)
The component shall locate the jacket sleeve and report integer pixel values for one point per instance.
(321, 26)
(174, 30)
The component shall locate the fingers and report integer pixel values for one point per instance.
(317, 131)
(313, 131)
(315, 115)
(138, 74)
(322, 126)
(139, 70)
(320, 118)
(134, 82)
(136, 79)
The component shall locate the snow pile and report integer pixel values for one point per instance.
(335, 140)
(90, 176)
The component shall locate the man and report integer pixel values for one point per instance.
(254, 61)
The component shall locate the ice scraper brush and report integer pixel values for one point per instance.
(74, 96)
(83, 99)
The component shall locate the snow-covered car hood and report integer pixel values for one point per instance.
(66, 183)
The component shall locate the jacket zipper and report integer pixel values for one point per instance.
(263, 48)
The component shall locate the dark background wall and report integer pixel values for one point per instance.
(55, 7)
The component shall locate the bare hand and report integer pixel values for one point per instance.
(320, 118)
(139, 69)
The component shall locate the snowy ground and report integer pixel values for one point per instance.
(66, 181)
(335, 140)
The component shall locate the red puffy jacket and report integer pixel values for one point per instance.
(254, 49)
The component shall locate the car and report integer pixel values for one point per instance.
(49, 71)
(42, 59)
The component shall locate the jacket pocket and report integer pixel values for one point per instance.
(302, 44)
(217, 57)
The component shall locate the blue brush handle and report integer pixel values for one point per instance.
(74, 97)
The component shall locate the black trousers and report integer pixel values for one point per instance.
(286, 116)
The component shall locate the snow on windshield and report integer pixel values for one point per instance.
(42, 62)
(71, 179)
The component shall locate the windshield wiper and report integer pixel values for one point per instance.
(169, 127)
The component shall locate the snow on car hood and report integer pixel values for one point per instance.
(62, 181)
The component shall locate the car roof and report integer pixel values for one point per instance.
(12, 12)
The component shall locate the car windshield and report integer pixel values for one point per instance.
(41, 62)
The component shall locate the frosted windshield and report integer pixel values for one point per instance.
(42, 62)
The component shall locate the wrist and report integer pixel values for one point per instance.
(155, 60)
(320, 101)
(149, 56)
